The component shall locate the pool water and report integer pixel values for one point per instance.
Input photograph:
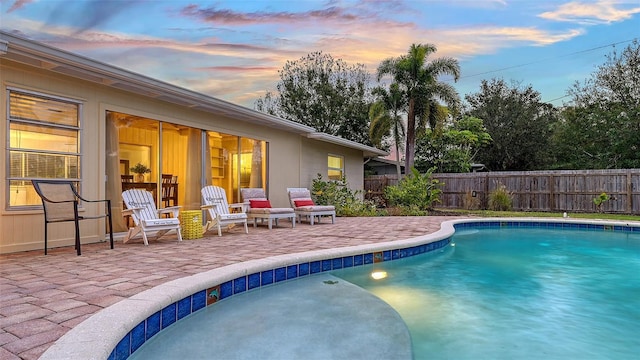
(314, 317)
(518, 294)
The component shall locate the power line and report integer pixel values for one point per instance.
(547, 59)
(558, 98)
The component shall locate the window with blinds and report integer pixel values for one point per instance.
(335, 167)
(44, 142)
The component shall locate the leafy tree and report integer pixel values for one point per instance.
(454, 148)
(385, 119)
(326, 94)
(418, 80)
(519, 123)
(337, 193)
(602, 127)
(269, 104)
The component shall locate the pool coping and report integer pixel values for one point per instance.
(98, 336)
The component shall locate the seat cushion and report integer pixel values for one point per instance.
(161, 222)
(317, 208)
(270, 210)
(233, 216)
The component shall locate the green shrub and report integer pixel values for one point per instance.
(601, 199)
(415, 192)
(338, 194)
(357, 207)
(470, 202)
(500, 199)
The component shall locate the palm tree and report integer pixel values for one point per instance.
(418, 79)
(384, 116)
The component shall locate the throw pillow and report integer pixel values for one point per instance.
(306, 202)
(260, 204)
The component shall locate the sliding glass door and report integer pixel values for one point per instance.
(175, 161)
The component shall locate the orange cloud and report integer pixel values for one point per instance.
(238, 68)
(243, 70)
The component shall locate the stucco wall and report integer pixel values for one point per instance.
(314, 161)
(293, 160)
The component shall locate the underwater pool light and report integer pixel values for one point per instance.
(377, 275)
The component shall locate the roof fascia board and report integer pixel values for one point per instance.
(4, 45)
(367, 150)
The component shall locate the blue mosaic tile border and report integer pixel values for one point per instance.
(546, 225)
(190, 304)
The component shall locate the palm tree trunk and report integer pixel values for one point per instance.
(411, 136)
(398, 169)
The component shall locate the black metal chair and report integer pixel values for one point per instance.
(60, 203)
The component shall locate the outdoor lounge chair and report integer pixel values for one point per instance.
(215, 202)
(60, 202)
(301, 201)
(258, 207)
(146, 217)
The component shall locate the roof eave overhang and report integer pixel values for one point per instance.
(389, 162)
(367, 151)
(46, 57)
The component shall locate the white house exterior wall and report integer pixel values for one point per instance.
(314, 161)
(293, 159)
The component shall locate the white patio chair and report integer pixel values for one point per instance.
(216, 204)
(146, 217)
(258, 207)
(300, 199)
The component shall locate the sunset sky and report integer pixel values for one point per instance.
(233, 49)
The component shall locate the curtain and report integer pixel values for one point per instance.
(255, 180)
(206, 172)
(194, 169)
(114, 184)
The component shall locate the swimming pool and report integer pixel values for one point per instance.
(514, 293)
(127, 325)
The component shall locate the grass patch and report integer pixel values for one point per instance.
(490, 213)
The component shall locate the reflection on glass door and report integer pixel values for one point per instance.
(236, 163)
(222, 149)
(253, 158)
(131, 155)
(172, 178)
(138, 145)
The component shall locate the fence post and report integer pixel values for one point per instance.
(629, 193)
(486, 191)
(552, 195)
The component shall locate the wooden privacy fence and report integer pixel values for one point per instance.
(566, 190)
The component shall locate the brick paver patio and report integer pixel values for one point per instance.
(42, 297)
